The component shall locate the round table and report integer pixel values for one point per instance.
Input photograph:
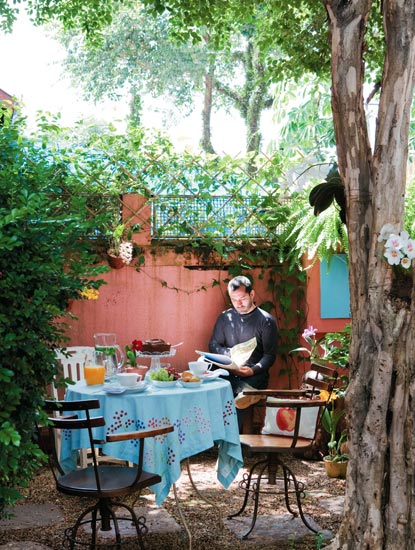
(202, 417)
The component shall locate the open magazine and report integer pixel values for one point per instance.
(239, 355)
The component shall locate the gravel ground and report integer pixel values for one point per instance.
(201, 518)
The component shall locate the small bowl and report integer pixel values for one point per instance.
(161, 384)
(197, 367)
(128, 379)
(190, 385)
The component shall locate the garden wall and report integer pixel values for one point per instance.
(164, 300)
(176, 296)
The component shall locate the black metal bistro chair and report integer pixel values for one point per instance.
(291, 421)
(107, 484)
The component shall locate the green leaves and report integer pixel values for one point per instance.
(332, 189)
(45, 259)
(8, 435)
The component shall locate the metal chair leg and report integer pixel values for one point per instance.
(252, 484)
(255, 497)
(72, 532)
(299, 493)
(107, 516)
(139, 522)
(245, 484)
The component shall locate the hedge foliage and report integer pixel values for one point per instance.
(45, 260)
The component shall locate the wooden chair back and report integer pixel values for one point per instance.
(76, 415)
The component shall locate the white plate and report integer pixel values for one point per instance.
(140, 387)
(190, 385)
(214, 374)
(114, 389)
(117, 388)
(160, 384)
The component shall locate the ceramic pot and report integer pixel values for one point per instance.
(335, 469)
(115, 262)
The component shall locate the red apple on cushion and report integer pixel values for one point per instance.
(285, 419)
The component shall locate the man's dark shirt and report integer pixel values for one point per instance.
(232, 328)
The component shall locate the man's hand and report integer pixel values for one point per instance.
(243, 371)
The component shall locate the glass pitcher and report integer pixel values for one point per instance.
(108, 353)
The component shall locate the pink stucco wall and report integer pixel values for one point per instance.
(138, 306)
(173, 297)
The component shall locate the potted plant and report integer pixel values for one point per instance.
(131, 364)
(332, 348)
(335, 462)
(120, 248)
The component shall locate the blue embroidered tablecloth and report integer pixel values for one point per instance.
(201, 417)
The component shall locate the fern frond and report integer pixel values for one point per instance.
(317, 237)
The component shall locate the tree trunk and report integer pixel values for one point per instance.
(380, 491)
(207, 110)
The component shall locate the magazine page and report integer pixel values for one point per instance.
(242, 352)
(239, 355)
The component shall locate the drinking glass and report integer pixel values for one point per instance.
(108, 354)
(94, 374)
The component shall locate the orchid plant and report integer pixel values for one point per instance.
(120, 245)
(309, 336)
(332, 347)
(399, 248)
(329, 420)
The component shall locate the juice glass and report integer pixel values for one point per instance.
(94, 374)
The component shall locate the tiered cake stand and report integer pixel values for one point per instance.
(156, 358)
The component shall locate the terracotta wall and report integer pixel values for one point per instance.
(172, 297)
(139, 306)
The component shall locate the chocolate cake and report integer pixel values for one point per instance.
(155, 345)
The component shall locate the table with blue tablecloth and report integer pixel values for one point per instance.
(202, 417)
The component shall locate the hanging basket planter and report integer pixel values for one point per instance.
(115, 261)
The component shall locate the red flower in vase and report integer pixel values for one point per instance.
(137, 345)
(131, 352)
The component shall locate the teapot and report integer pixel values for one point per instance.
(108, 353)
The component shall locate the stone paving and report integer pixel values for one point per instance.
(268, 529)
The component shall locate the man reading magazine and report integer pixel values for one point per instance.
(238, 324)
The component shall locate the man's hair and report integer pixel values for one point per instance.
(239, 281)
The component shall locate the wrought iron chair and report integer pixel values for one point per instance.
(104, 483)
(291, 421)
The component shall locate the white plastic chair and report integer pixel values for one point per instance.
(73, 362)
(87, 350)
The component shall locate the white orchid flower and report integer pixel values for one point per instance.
(409, 248)
(386, 230)
(406, 262)
(393, 255)
(394, 241)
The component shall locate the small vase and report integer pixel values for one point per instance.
(115, 261)
(335, 469)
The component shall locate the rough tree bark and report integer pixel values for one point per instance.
(380, 491)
